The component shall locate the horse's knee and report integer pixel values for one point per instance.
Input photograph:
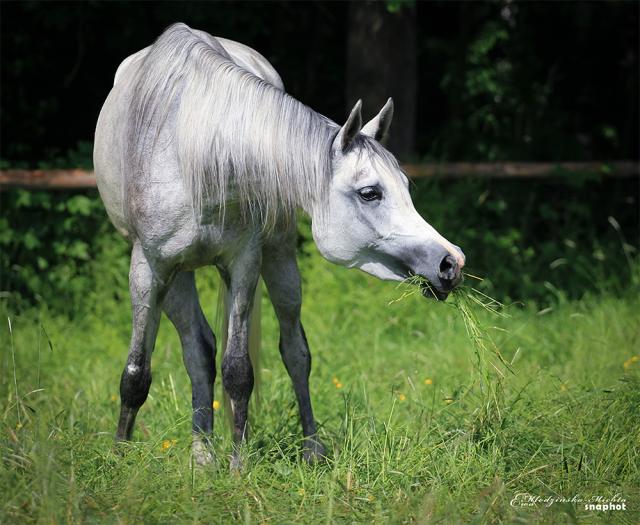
(296, 357)
(135, 383)
(237, 376)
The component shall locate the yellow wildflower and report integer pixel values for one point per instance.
(216, 405)
(338, 384)
(448, 400)
(335, 381)
(114, 398)
(630, 361)
(300, 492)
(167, 444)
(401, 396)
(428, 381)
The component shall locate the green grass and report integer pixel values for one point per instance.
(424, 428)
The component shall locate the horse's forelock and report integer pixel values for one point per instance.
(371, 150)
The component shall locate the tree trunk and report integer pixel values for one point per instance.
(381, 63)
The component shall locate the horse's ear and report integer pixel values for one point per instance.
(351, 127)
(378, 126)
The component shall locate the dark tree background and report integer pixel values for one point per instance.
(382, 62)
(472, 80)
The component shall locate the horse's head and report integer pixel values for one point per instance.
(369, 221)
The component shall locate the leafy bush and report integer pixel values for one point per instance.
(555, 238)
(58, 248)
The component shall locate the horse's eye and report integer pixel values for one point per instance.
(370, 193)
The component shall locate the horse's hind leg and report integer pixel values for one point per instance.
(147, 289)
(198, 351)
(241, 278)
(281, 275)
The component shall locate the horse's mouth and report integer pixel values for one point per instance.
(429, 291)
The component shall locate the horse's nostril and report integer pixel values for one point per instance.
(448, 268)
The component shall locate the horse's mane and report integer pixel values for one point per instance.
(238, 138)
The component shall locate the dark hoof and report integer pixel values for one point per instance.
(202, 452)
(121, 446)
(313, 452)
(236, 466)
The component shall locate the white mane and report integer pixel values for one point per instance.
(238, 138)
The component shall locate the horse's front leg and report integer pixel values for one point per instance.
(281, 275)
(147, 286)
(237, 372)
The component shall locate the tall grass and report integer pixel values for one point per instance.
(423, 419)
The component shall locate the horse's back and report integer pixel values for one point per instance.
(244, 56)
(249, 59)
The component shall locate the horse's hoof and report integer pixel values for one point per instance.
(314, 452)
(202, 453)
(236, 465)
(121, 447)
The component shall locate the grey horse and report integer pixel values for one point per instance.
(202, 159)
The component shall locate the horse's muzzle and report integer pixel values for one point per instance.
(448, 276)
(449, 273)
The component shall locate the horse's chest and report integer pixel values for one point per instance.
(192, 248)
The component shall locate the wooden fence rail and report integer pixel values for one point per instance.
(80, 179)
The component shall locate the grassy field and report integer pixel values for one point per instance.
(413, 437)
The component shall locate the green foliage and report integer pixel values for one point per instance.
(58, 248)
(542, 241)
(515, 81)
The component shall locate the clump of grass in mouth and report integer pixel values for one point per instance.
(465, 299)
(411, 285)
